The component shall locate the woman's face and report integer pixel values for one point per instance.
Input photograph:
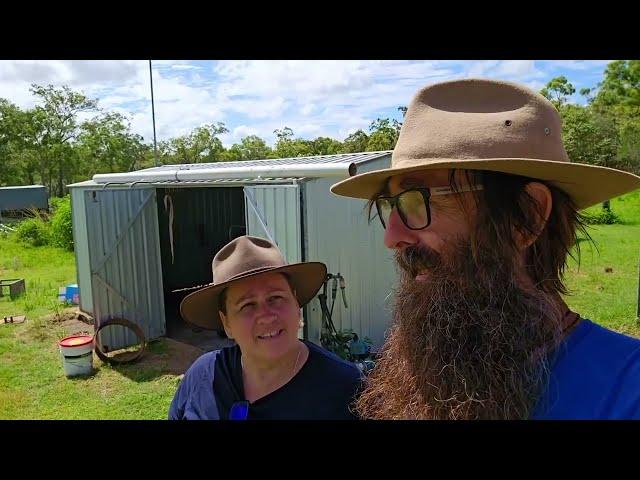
(263, 316)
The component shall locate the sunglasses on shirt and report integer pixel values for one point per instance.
(239, 410)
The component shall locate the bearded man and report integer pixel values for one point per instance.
(481, 206)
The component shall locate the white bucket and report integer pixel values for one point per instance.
(77, 355)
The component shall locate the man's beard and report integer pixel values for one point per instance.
(467, 343)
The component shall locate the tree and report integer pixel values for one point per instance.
(201, 145)
(289, 147)
(618, 97)
(587, 93)
(356, 142)
(589, 136)
(325, 146)
(557, 91)
(205, 144)
(621, 86)
(384, 134)
(628, 155)
(10, 136)
(250, 147)
(107, 145)
(56, 128)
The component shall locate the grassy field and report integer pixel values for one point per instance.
(33, 385)
(605, 284)
(44, 269)
(32, 381)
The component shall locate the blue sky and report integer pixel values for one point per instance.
(313, 97)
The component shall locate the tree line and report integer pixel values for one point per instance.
(67, 137)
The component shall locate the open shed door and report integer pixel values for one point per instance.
(125, 263)
(273, 212)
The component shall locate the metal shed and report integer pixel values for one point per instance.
(141, 236)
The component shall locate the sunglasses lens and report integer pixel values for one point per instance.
(384, 210)
(413, 209)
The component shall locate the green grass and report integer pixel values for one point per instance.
(44, 270)
(33, 385)
(32, 381)
(610, 297)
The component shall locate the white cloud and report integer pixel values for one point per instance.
(579, 64)
(535, 85)
(256, 108)
(179, 107)
(516, 68)
(92, 78)
(480, 69)
(309, 129)
(308, 109)
(185, 67)
(243, 131)
(305, 82)
(74, 73)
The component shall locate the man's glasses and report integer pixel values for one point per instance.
(413, 205)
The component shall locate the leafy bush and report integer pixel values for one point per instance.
(603, 217)
(55, 230)
(34, 231)
(341, 342)
(61, 225)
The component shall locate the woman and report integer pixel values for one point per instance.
(269, 374)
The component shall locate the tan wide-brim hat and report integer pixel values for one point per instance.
(478, 124)
(241, 258)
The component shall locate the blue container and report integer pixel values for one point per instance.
(72, 294)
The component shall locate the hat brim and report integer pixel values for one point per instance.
(201, 307)
(586, 184)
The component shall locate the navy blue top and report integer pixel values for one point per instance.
(323, 389)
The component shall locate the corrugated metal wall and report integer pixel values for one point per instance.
(276, 207)
(81, 248)
(338, 234)
(280, 207)
(124, 253)
(24, 197)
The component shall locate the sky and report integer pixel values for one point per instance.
(314, 98)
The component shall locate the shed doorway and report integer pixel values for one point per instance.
(194, 224)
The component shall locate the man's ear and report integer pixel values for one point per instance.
(539, 213)
(225, 324)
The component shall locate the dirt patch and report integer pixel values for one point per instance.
(76, 327)
(177, 358)
(73, 321)
(163, 356)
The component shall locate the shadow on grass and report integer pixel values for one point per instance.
(161, 357)
(80, 378)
